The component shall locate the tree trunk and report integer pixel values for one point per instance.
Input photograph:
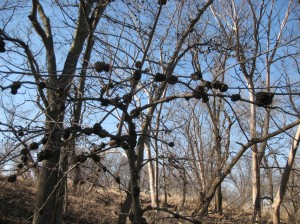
(46, 205)
(49, 201)
(270, 179)
(196, 160)
(256, 187)
(219, 199)
(165, 184)
(49, 204)
(138, 151)
(125, 208)
(151, 175)
(285, 178)
(62, 178)
(156, 175)
(77, 170)
(135, 192)
(255, 158)
(184, 180)
(214, 112)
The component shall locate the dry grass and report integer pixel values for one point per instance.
(17, 205)
(16, 202)
(99, 206)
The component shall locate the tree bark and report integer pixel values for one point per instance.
(255, 157)
(47, 209)
(151, 175)
(125, 208)
(285, 178)
(50, 190)
(184, 186)
(219, 199)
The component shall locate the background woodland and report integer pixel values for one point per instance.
(191, 105)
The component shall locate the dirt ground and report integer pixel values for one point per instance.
(96, 206)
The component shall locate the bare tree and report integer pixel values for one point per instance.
(196, 85)
(49, 204)
(285, 177)
(248, 60)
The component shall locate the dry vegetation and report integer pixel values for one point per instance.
(85, 206)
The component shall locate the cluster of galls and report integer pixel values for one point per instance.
(24, 157)
(12, 178)
(200, 93)
(2, 45)
(219, 85)
(14, 87)
(135, 113)
(172, 80)
(137, 75)
(196, 76)
(101, 66)
(261, 98)
(81, 158)
(235, 97)
(96, 158)
(42, 85)
(113, 101)
(264, 98)
(74, 129)
(159, 77)
(138, 64)
(171, 144)
(122, 142)
(118, 180)
(96, 129)
(162, 2)
(44, 155)
(26, 151)
(21, 133)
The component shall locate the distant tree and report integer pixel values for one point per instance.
(265, 39)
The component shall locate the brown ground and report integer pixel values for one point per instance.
(17, 205)
(97, 206)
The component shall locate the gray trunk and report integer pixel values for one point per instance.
(219, 200)
(125, 208)
(49, 202)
